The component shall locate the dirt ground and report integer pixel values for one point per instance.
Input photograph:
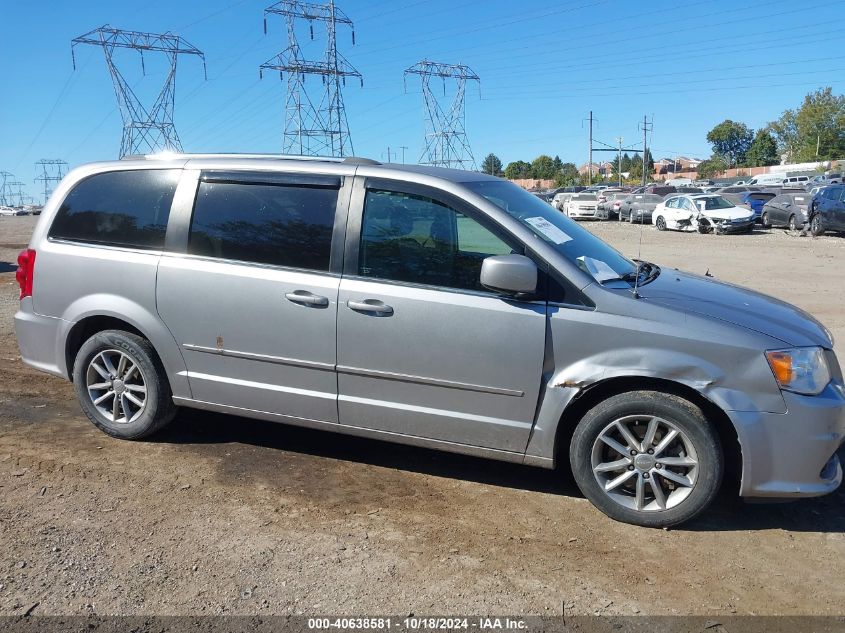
(224, 515)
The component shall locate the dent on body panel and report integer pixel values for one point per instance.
(590, 347)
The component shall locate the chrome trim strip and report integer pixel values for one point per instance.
(449, 384)
(354, 371)
(264, 358)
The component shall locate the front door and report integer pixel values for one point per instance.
(252, 303)
(423, 349)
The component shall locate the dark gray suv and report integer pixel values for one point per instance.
(433, 307)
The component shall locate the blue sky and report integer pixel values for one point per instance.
(543, 67)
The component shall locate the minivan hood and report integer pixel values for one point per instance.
(746, 308)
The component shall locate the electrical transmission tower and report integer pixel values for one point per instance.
(145, 129)
(14, 194)
(5, 179)
(51, 172)
(313, 127)
(446, 142)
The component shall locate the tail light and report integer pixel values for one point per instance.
(24, 274)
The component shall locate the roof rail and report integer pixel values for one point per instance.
(176, 155)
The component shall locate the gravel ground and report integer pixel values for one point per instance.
(227, 515)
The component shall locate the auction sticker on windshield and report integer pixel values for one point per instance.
(548, 230)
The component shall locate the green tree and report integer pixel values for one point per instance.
(518, 169)
(491, 165)
(815, 131)
(711, 167)
(567, 175)
(557, 163)
(731, 140)
(763, 151)
(543, 167)
(626, 162)
(636, 168)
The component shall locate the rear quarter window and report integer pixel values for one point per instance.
(119, 208)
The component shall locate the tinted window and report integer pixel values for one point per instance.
(761, 196)
(419, 240)
(268, 224)
(118, 208)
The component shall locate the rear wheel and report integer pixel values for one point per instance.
(660, 223)
(647, 458)
(122, 386)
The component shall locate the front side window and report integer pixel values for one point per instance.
(119, 208)
(417, 239)
(281, 225)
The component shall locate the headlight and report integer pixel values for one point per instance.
(802, 370)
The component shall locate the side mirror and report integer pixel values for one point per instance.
(509, 274)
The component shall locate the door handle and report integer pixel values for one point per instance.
(370, 305)
(306, 298)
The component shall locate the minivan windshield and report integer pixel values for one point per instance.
(578, 245)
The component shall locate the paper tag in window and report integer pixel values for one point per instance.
(549, 230)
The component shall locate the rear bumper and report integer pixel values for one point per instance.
(793, 454)
(39, 340)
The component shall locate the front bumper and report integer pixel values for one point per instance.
(793, 454)
(735, 227)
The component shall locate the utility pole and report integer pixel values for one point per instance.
(590, 160)
(388, 153)
(403, 148)
(646, 129)
(619, 140)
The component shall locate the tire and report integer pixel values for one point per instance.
(119, 370)
(631, 217)
(695, 453)
(660, 223)
(792, 226)
(816, 226)
(764, 220)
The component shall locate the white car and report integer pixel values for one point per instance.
(560, 200)
(8, 211)
(581, 205)
(704, 213)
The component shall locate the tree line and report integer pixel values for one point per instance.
(815, 131)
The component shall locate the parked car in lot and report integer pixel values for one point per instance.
(834, 178)
(607, 203)
(788, 208)
(767, 180)
(433, 307)
(753, 200)
(8, 211)
(581, 205)
(637, 208)
(827, 210)
(704, 213)
(560, 200)
(660, 190)
(795, 181)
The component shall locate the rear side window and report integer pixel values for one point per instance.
(118, 208)
(282, 225)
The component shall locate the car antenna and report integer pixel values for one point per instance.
(639, 254)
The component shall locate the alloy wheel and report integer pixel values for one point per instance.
(645, 463)
(116, 386)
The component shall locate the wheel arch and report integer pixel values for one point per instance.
(595, 393)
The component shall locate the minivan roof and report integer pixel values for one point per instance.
(241, 161)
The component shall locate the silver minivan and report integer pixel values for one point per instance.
(434, 307)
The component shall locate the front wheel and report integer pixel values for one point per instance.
(122, 386)
(660, 223)
(816, 226)
(647, 458)
(764, 220)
